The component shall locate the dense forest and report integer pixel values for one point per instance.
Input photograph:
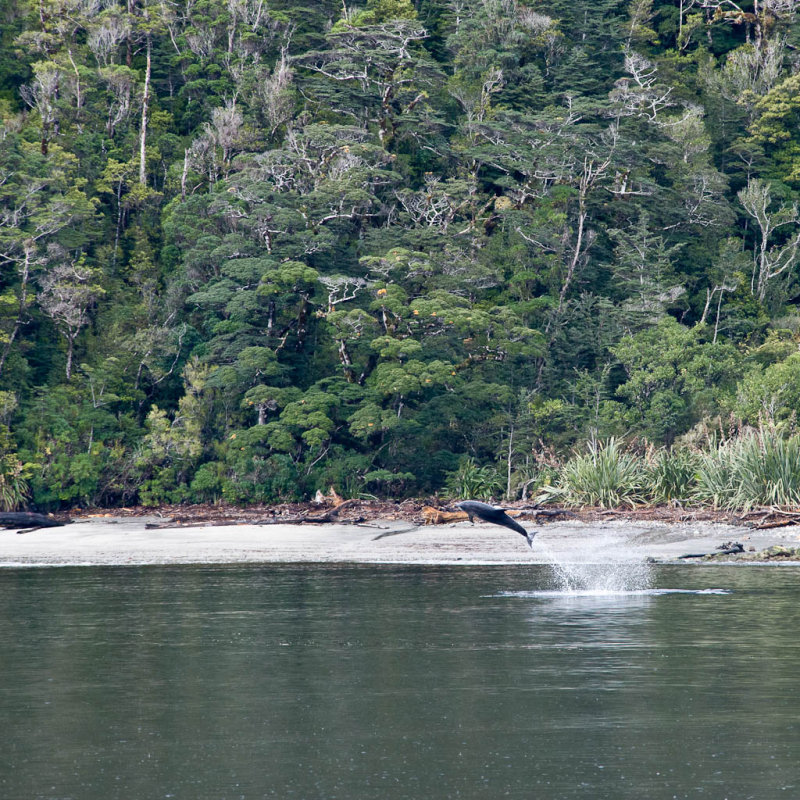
(254, 248)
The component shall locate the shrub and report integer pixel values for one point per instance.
(14, 489)
(341, 470)
(388, 481)
(255, 479)
(206, 486)
(769, 471)
(69, 478)
(162, 488)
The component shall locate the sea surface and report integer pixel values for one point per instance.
(399, 682)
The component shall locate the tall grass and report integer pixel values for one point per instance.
(670, 476)
(605, 476)
(759, 468)
(752, 469)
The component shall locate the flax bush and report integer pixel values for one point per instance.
(605, 476)
(758, 468)
(671, 475)
(14, 488)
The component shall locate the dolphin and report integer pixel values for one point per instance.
(496, 515)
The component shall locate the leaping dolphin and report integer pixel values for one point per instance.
(496, 515)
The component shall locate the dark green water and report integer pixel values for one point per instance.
(356, 683)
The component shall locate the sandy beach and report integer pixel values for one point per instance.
(121, 541)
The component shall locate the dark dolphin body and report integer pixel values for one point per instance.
(495, 515)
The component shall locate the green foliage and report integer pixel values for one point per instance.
(207, 484)
(379, 11)
(771, 394)
(388, 481)
(14, 475)
(674, 378)
(775, 128)
(471, 480)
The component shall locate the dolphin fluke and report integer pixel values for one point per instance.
(529, 537)
(495, 515)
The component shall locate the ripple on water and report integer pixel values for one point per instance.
(557, 593)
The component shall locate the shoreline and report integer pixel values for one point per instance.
(125, 541)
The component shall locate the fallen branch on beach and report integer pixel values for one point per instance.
(547, 513)
(326, 516)
(762, 519)
(27, 519)
(178, 523)
(778, 523)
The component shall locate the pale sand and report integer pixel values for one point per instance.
(125, 541)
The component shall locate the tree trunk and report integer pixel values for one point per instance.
(707, 307)
(78, 92)
(302, 322)
(143, 130)
(70, 349)
(184, 173)
(508, 461)
(119, 225)
(716, 321)
(347, 364)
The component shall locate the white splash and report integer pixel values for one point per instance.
(605, 577)
(599, 569)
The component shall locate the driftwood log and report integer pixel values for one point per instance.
(171, 522)
(727, 549)
(27, 519)
(435, 516)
